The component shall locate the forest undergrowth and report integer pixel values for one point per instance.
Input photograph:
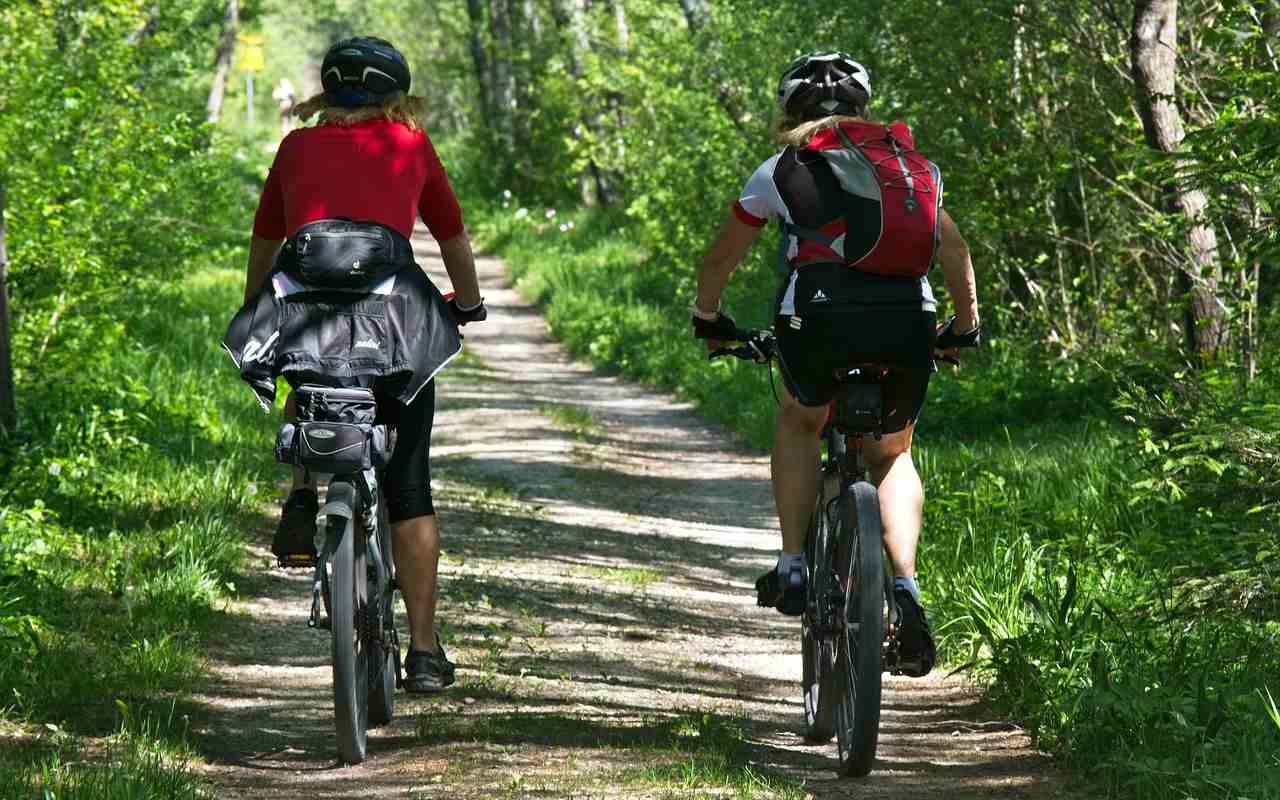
(129, 476)
(1099, 541)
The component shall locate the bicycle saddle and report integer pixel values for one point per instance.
(859, 402)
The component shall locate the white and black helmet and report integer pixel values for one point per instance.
(818, 84)
(363, 70)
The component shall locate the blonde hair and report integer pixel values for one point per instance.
(797, 133)
(397, 107)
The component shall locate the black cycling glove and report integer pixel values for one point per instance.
(948, 339)
(477, 313)
(722, 328)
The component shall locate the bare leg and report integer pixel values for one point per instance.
(416, 548)
(901, 497)
(795, 460)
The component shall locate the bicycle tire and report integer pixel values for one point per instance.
(382, 659)
(349, 588)
(817, 651)
(859, 657)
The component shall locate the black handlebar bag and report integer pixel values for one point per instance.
(344, 253)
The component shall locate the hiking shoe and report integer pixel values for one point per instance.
(425, 671)
(916, 651)
(787, 596)
(294, 544)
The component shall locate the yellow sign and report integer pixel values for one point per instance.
(249, 54)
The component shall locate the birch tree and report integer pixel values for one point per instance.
(1153, 56)
(222, 60)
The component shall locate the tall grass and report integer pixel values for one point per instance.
(127, 493)
(140, 761)
(1081, 561)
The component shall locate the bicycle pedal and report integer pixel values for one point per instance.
(296, 561)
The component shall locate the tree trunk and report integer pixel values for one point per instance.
(532, 23)
(8, 413)
(479, 61)
(571, 17)
(504, 88)
(222, 60)
(620, 23)
(1153, 59)
(696, 13)
(148, 27)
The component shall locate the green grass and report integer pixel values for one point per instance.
(692, 753)
(1110, 575)
(141, 759)
(123, 515)
(579, 421)
(635, 577)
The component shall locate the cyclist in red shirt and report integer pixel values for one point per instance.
(369, 159)
(831, 314)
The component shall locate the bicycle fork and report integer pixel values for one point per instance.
(339, 502)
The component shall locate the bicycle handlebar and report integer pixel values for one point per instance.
(758, 346)
(761, 347)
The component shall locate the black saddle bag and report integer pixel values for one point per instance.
(344, 254)
(335, 432)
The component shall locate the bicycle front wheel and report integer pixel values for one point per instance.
(349, 586)
(860, 567)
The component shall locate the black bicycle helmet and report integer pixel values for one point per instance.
(363, 70)
(819, 84)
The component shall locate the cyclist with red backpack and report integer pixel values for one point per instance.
(861, 218)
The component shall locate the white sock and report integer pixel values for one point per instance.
(909, 584)
(790, 562)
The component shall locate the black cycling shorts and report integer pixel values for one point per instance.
(903, 339)
(406, 481)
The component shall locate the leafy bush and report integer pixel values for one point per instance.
(126, 482)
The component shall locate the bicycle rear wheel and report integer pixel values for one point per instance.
(860, 567)
(349, 588)
(382, 650)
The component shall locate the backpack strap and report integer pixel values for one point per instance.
(844, 138)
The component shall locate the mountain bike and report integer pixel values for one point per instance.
(848, 633)
(354, 585)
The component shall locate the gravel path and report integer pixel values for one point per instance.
(601, 542)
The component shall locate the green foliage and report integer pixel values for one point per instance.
(1100, 526)
(130, 473)
(121, 512)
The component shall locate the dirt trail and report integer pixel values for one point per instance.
(601, 543)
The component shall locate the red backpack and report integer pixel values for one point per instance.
(880, 163)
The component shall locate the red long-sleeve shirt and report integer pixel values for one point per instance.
(377, 170)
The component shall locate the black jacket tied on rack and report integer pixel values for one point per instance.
(391, 335)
